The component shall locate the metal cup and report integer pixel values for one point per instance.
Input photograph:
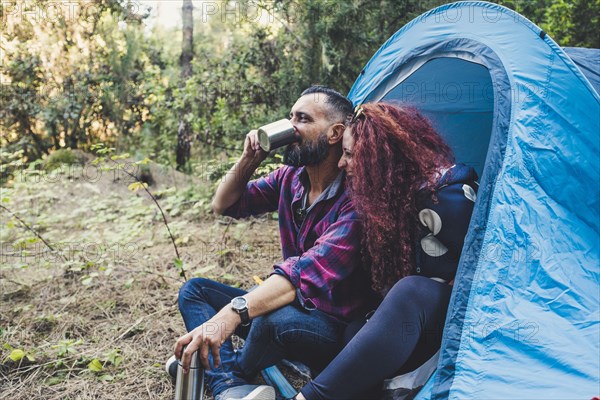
(276, 134)
(190, 386)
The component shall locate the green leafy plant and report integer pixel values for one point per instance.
(107, 369)
(61, 157)
(95, 365)
(114, 357)
(16, 354)
(66, 347)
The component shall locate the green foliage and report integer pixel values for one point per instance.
(74, 82)
(109, 362)
(95, 365)
(16, 355)
(569, 22)
(60, 157)
(66, 347)
(180, 266)
(573, 22)
(11, 162)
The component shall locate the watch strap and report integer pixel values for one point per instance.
(244, 316)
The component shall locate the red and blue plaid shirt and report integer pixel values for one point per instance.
(321, 257)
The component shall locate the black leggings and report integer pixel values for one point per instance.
(404, 332)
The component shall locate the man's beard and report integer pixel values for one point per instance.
(307, 154)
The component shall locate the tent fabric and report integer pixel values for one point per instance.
(588, 61)
(525, 310)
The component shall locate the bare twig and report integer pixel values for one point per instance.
(182, 273)
(15, 255)
(132, 327)
(223, 239)
(158, 274)
(148, 389)
(15, 282)
(9, 393)
(32, 231)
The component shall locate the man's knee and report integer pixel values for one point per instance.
(288, 327)
(276, 325)
(269, 325)
(191, 290)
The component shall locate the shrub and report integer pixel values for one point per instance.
(64, 156)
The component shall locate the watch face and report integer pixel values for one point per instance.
(239, 303)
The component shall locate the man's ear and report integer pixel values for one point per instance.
(336, 133)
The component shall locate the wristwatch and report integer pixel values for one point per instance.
(240, 306)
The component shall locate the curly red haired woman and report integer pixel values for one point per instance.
(416, 207)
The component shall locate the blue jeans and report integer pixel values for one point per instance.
(311, 337)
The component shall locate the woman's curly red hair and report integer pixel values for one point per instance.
(396, 153)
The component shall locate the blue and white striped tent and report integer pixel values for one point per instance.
(524, 316)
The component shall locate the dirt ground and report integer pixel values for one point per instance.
(96, 318)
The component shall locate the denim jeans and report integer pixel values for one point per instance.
(311, 337)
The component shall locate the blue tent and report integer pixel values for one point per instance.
(524, 316)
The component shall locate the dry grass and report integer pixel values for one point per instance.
(115, 288)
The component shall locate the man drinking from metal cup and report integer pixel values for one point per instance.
(301, 310)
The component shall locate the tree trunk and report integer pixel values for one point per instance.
(314, 53)
(184, 131)
(39, 147)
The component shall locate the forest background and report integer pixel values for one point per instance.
(114, 132)
(74, 74)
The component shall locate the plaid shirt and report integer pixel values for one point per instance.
(322, 255)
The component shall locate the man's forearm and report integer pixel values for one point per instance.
(275, 292)
(233, 184)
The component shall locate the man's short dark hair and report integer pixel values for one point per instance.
(339, 103)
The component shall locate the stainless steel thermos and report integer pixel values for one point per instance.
(276, 134)
(190, 386)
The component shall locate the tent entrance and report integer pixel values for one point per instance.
(457, 95)
(467, 96)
